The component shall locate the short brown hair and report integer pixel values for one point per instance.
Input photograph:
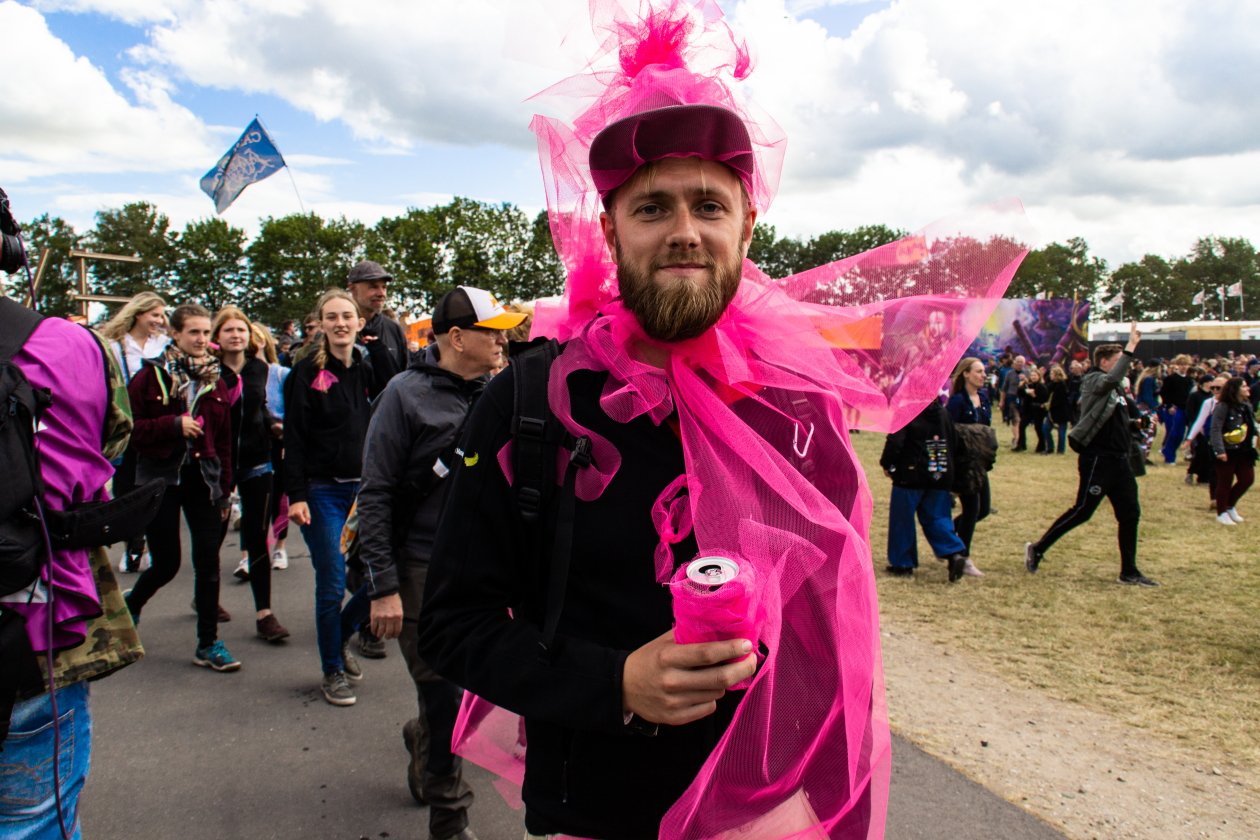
(1106, 351)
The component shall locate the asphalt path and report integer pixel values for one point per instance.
(185, 752)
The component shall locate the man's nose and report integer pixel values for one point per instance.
(683, 232)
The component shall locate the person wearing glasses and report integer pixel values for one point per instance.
(409, 452)
(1198, 443)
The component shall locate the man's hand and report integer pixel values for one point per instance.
(387, 616)
(300, 513)
(1222, 457)
(673, 684)
(1134, 337)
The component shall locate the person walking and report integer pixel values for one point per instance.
(183, 434)
(1173, 393)
(1201, 459)
(920, 461)
(1033, 397)
(970, 409)
(136, 333)
(1104, 438)
(232, 331)
(1058, 410)
(410, 452)
(1233, 444)
(326, 417)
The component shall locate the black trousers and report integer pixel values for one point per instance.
(442, 782)
(255, 520)
(205, 528)
(975, 506)
(125, 482)
(1112, 478)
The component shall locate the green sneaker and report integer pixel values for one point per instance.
(354, 671)
(216, 656)
(337, 690)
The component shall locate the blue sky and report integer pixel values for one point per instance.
(1110, 121)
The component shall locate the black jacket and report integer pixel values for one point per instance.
(324, 426)
(587, 774)
(409, 451)
(250, 420)
(921, 455)
(387, 346)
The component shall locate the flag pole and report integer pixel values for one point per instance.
(287, 166)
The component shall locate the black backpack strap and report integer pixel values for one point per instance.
(534, 429)
(536, 434)
(19, 322)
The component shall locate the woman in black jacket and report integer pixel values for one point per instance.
(1032, 408)
(1233, 441)
(326, 414)
(251, 453)
(1059, 410)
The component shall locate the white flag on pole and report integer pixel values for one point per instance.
(1115, 301)
(1236, 289)
(1197, 300)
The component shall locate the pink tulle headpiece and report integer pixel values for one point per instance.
(661, 86)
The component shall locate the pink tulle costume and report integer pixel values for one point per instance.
(763, 402)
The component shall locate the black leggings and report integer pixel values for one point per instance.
(273, 512)
(205, 527)
(255, 510)
(1109, 477)
(975, 506)
(125, 482)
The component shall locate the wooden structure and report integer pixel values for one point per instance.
(82, 295)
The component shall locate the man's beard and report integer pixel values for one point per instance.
(679, 308)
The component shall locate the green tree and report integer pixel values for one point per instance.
(60, 280)
(136, 230)
(294, 259)
(211, 263)
(1152, 291)
(777, 256)
(1060, 271)
(1216, 263)
(491, 246)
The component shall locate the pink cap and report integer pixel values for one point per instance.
(704, 131)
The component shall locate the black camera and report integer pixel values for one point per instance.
(12, 254)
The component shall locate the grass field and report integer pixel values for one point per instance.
(1181, 660)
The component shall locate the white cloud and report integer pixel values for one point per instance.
(61, 114)
(1131, 123)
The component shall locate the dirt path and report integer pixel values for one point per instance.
(1080, 770)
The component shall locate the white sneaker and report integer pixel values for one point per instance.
(242, 570)
(279, 559)
(1233, 514)
(1225, 520)
(970, 569)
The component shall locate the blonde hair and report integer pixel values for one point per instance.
(960, 374)
(233, 313)
(125, 320)
(521, 331)
(265, 343)
(324, 350)
(1057, 374)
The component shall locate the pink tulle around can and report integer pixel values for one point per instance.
(714, 600)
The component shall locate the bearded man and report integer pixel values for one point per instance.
(698, 404)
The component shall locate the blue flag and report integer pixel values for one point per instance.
(251, 159)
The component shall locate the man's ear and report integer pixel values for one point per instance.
(609, 231)
(750, 222)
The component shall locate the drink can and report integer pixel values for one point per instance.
(710, 573)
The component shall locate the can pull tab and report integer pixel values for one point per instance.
(801, 450)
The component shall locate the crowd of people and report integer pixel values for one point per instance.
(1205, 408)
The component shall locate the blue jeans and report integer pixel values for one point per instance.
(28, 808)
(932, 507)
(330, 503)
(1047, 428)
(1174, 431)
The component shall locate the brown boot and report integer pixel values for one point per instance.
(270, 629)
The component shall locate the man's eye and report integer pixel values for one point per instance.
(710, 207)
(649, 210)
